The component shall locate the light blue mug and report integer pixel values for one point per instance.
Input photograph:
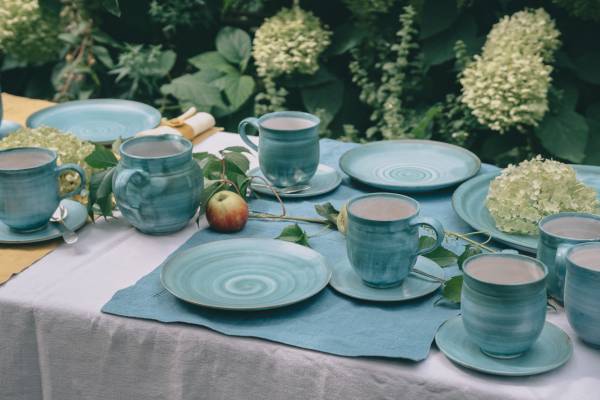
(384, 252)
(29, 187)
(503, 319)
(582, 292)
(288, 155)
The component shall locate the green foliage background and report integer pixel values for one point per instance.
(177, 53)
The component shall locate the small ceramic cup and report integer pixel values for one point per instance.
(30, 195)
(552, 249)
(582, 291)
(286, 157)
(383, 252)
(503, 319)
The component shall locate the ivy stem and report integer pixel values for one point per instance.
(274, 217)
(469, 240)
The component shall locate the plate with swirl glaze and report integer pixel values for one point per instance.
(99, 121)
(245, 274)
(409, 165)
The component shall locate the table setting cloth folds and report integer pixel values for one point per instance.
(56, 344)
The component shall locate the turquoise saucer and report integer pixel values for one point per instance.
(76, 217)
(551, 350)
(245, 274)
(325, 180)
(8, 127)
(347, 282)
(100, 121)
(409, 165)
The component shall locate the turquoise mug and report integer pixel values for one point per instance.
(553, 248)
(288, 149)
(29, 187)
(157, 184)
(383, 252)
(582, 291)
(503, 318)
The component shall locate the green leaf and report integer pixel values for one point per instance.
(468, 252)
(441, 256)
(238, 89)
(325, 99)
(422, 130)
(212, 168)
(440, 48)
(101, 158)
(102, 54)
(112, 6)
(565, 135)
(329, 212)
(452, 289)
(437, 16)
(235, 45)
(202, 155)
(295, 234)
(240, 160)
(587, 67)
(238, 149)
(592, 150)
(192, 90)
(345, 38)
(593, 111)
(100, 192)
(212, 60)
(209, 190)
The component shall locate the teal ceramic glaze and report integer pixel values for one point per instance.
(504, 320)
(346, 281)
(552, 350)
(383, 252)
(29, 196)
(245, 274)
(286, 157)
(582, 297)
(552, 250)
(100, 120)
(469, 203)
(76, 218)
(409, 165)
(158, 195)
(325, 180)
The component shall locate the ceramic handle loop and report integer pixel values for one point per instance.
(125, 181)
(436, 226)
(72, 168)
(242, 131)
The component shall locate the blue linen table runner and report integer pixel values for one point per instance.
(328, 322)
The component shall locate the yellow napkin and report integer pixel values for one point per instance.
(193, 125)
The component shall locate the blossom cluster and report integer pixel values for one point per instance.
(507, 86)
(27, 33)
(68, 148)
(522, 195)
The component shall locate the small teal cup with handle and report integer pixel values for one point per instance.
(503, 318)
(383, 252)
(553, 247)
(29, 187)
(288, 148)
(582, 291)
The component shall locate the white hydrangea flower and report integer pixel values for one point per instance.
(522, 195)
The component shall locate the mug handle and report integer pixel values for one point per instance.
(560, 261)
(242, 131)
(72, 168)
(123, 182)
(437, 228)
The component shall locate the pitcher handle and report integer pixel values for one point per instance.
(79, 171)
(242, 131)
(124, 180)
(437, 228)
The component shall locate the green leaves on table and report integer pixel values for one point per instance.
(451, 290)
(293, 233)
(100, 196)
(441, 256)
(101, 158)
(329, 212)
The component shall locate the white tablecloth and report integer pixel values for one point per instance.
(55, 344)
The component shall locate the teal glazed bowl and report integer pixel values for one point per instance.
(552, 250)
(158, 194)
(504, 320)
(582, 296)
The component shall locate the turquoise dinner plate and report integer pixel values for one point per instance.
(325, 180)
(469, 203)
(76, 217)
(551, 350)
(100, 121)
(347, 282)
(409, 165)
(245, 274)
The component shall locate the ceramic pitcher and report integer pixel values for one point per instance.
(157, 184)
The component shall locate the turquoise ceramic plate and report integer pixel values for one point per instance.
(99, 121)
(325, 180)
(245, 274)
(469, 203)
(347, 282)
(8, 127)
(76, 217)
(552, 349)
(409, 165)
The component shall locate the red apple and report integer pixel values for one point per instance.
(226, 212)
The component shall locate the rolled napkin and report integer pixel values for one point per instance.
(189, 125)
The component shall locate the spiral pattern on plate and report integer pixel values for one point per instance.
(406, 173)
(91, 128)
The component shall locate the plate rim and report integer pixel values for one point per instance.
(388, 300)
(338, 182)
(53, 236)
(151, 110)
(501, 373)
(309, 294)
(420, 188)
